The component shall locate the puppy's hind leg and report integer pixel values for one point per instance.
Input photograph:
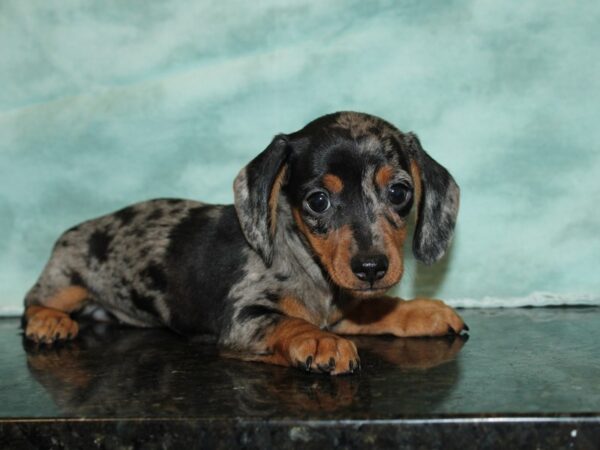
(49, 321)
(58, 292)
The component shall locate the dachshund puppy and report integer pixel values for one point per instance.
(306, 253)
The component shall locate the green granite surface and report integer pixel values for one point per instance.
(521, 362)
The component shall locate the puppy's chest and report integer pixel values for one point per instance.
(307, 300)
(314, 302)
(290, 293)
(293, 284)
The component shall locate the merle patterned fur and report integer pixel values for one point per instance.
(221, 270)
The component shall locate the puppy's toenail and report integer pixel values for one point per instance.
(309, 361)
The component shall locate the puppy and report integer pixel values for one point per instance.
(306, 253)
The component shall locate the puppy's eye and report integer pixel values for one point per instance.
(399, 193)
(318, 202)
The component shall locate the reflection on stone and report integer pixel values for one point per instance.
(131, 372)
(413, 353)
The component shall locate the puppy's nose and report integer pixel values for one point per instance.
(369, 267)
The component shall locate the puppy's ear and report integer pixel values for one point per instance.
(437, 196)
(256, 192)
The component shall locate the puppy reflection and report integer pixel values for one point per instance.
(125, 372)
(413, 353)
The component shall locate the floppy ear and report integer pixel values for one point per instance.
(437, 196)
(256, 192)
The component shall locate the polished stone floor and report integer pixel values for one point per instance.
(516, 362)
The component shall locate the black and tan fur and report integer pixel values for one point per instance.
(269, 278)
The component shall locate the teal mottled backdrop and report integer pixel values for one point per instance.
(107, 103)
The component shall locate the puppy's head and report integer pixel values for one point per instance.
(351, 181)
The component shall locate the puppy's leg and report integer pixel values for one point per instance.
(57, 293)
(403, 318)
(50, 321)
(294, 342)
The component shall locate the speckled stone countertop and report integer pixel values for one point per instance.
(526, 378)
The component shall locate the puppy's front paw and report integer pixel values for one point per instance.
(46, 326)
(426, 317)
(324, 352)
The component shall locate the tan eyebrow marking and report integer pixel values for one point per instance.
(333, 183)
(384, 175)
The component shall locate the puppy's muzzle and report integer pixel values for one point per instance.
(369, 268)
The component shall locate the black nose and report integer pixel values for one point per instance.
(369, 267)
